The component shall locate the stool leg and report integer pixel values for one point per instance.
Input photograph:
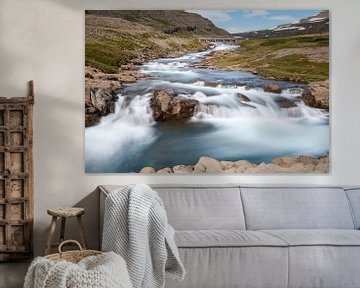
(82, 232)
(62, 230)
(51, 235)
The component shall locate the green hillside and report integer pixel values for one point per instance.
(296, 58)
(114, 38)
(167, 21)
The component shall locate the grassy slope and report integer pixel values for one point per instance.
(258, 55)
(115, 39)
(167, 21)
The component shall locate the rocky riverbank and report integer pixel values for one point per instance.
(315, 94)
(301, 164)
(101, 91)
(117, 42)
(302, 59)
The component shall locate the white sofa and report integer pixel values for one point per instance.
(264, 237)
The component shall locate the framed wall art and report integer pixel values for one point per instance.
(208, 91)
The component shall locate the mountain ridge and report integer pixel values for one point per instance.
(166, 21)
(315, 24)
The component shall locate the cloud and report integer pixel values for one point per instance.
(240, 29)
(214, 15)
(255, 13)
(285, 18)
(267, 15)
(235, 29)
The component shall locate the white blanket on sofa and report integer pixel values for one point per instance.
(136, 227)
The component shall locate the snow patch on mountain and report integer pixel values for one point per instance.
(283, 28)
(316, 19)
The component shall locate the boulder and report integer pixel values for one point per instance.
(138, 61)
(91, 119)
(306, 160)
(165, 170)
(324, 160)
(309, 98)
(284, 161)
(89, 75)
(130, 76)
(301, 168)
(235, 167)
(90, 110)
(322, 168)
(147, 170)
(225, 165)
(243, 97)
(103, 100)
(127, 78)
(316, 95)
(90, 72)
(210, 84)
(101, 91)
(322, 165)
(111, 77)
(272, 88)
(183, 169)
(285, 102)
(99, 102)
(127, 66)
(265, 168)
(168, 105)
(207, 165)
(231, 170)
(242, 165)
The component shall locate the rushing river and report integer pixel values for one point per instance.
(224, 127)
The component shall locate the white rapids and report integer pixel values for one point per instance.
(225, 126)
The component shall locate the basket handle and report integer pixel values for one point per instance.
(69, 241)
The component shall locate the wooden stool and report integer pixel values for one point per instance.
(64, 213)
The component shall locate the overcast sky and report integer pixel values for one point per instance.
(250, 20)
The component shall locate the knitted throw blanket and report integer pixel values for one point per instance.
(136, 227)
(103, 271)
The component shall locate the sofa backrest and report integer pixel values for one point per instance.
(211, 207)
(203, 208)
(296, 208)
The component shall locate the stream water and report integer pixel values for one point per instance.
(224, 126)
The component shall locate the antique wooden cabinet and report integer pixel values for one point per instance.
(16, 177)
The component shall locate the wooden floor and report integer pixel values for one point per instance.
(12, 274)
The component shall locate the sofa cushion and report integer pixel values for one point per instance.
(203, 208)
(327, 258)
(226, 238)
(296, 208)
(317, 237)
(324, 266)
(224, 267)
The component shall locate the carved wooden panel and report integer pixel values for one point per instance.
(16, 177)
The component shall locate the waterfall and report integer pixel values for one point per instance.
(234, 119)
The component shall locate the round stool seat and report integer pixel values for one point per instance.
(66, 211)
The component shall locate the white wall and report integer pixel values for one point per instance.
(43, 40)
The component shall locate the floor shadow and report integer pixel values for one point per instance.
(12, 274)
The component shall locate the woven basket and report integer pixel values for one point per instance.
(72, 256)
